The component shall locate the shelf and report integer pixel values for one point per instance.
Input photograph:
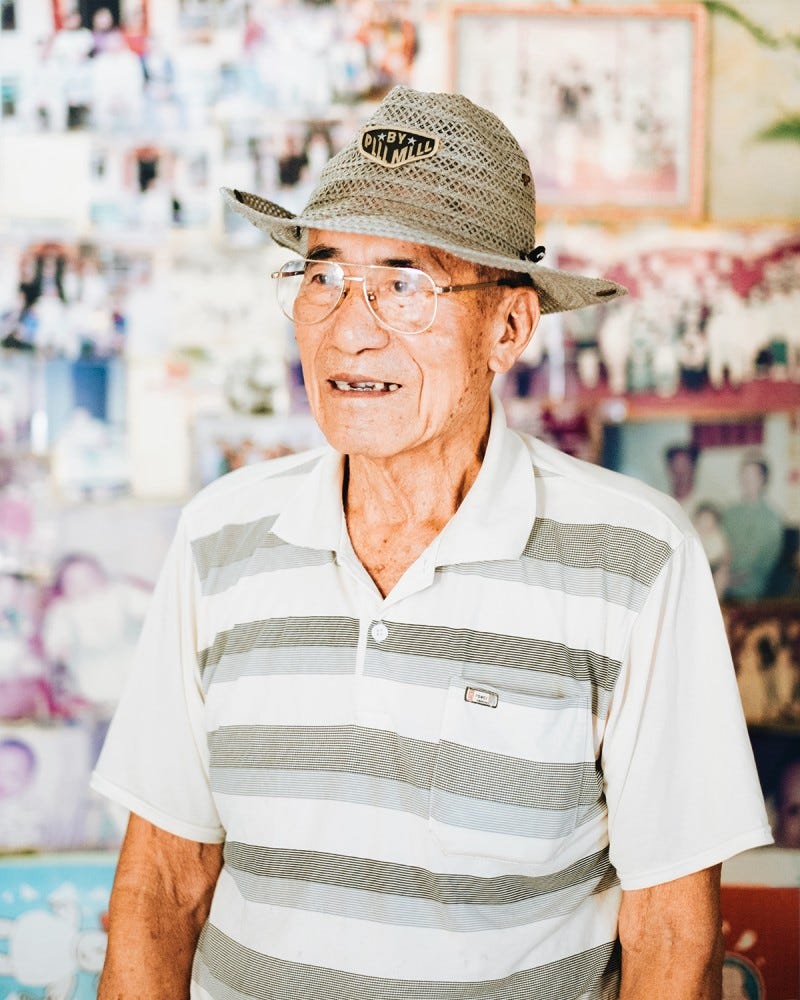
(752, 399)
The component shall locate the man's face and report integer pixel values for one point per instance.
(16, 769)
(752, 481)
(788, 833)
(681, 470)
(444, 374)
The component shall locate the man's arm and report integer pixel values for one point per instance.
(672, 940)
(161, 898)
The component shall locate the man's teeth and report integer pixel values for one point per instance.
(367, 386)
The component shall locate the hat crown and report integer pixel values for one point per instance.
(437, 168)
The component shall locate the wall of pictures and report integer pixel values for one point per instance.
(142, 355)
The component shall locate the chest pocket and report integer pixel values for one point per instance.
(514, 774)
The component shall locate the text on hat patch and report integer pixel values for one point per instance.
(392, 147)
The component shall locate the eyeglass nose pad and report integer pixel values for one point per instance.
(342, 296)
(371, 298)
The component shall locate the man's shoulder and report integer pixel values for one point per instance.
(254, 491)
(571, 489)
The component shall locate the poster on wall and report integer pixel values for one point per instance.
(618, 98)
(53, 925)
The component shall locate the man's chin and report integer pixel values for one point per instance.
(362, 445)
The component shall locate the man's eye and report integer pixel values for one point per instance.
(401, 286)
(324, 278)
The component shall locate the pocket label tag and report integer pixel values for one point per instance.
(478, 696)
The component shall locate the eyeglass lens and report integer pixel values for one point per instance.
(401, 298)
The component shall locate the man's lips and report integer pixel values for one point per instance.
(346, 383)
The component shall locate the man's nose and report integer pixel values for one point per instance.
(352, 324)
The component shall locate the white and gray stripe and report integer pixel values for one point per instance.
(367, 889)
(253, 975)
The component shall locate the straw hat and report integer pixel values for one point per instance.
(438, 170)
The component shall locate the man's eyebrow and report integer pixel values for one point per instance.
(323, 253)
(399, 262)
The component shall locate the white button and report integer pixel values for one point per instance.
(379, 631)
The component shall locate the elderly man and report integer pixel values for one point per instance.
(437, 711)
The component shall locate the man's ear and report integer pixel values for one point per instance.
(519, 318)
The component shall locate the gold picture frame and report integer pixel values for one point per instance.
(607, 102)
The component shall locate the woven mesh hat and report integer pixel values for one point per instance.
(438, 170)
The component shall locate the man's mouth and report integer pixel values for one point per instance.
(364, 386)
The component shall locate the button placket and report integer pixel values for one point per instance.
(370, 709)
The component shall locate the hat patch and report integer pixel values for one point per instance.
(392, 147)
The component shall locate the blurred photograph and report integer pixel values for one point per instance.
(614, 93)
(44, 772)
(733, 482)
(777, 753)
(765, 643)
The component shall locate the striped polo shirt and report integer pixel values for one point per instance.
(444, 792)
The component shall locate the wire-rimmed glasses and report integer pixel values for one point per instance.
(402, 299)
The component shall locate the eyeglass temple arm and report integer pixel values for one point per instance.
(297, 274)
(504, 282)
(441, 289)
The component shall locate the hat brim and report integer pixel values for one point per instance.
(559, 291)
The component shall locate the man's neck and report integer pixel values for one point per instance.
(419, 486)
(395, 507)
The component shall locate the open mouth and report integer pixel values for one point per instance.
(364, 386)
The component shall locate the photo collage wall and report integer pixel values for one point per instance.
(141, 357)
(142, 354)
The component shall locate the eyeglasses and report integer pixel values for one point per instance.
(402, 299)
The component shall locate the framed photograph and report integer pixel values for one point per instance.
(44, 784)
(225, 443)
(608, 102)
(147, 187)
(566, 424)
(736, 482)
(765, 642)
(777, 755)
(74, 299)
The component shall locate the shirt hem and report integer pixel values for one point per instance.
(759, 837)
(178, 827)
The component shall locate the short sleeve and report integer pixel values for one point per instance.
(155, 757)
(680, 780)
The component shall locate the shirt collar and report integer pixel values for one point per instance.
(313, 517)
(494, 520)
(496, 517)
